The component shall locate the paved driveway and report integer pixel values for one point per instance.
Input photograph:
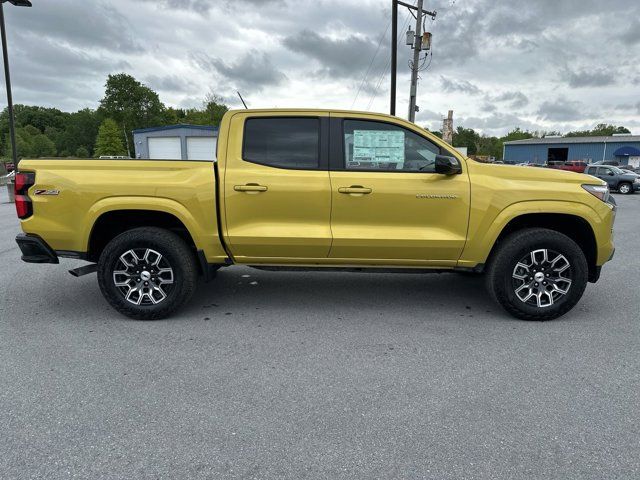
(318, 375)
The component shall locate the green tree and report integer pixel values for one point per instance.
(31, 143)
(109, 140)
(466, 137)
(215, 108)
(130, 104)
(491, 146)
(602, 129)
(82, 152)
(23, 140)
(42, 146)
(45, 120)
(210, 113)
(80, 130)
(517, 134)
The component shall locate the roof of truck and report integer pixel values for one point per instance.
(299, 110)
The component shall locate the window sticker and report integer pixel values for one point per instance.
(378, 149)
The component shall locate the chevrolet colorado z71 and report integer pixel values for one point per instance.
(317, 189)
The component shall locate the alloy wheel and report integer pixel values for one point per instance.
(541, 278)
(143, 276)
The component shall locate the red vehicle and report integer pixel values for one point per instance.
(577, 166)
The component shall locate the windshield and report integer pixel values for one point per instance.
(616, 170)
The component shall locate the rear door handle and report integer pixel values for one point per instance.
(355, 189)
(250, 187)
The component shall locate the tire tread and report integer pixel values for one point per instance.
(178, 248)
(501, 264)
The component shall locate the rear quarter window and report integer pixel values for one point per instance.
(282, 142)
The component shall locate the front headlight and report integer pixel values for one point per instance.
(637, 180)
(600, 191)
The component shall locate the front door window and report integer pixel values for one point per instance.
(377, 146)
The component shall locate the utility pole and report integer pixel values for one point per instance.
(419, 41)
(394, 54)
(417, 46)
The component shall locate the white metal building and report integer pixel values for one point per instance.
(176, 142)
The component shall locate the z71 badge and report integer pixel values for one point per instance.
(47, 192)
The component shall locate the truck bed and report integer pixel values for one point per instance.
(71, 195)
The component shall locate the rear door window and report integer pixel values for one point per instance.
(283, 142)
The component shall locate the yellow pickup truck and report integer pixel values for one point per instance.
(300, 189)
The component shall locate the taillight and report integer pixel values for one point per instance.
(24, 180)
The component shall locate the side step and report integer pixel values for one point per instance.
(86, 270)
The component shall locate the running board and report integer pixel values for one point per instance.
(86, 270)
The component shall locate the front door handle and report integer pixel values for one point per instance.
(355, 189)
(250, 187)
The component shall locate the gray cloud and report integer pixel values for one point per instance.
(172, 83)
(204, 6)
(195, 5)
(338, 57)
(513, 99)
(631, 35)
(82, 24)
(455, 35)
(493, 56)
(496, 123)
(589, 77)
(451, 85)
(562, 110)
(252, 71)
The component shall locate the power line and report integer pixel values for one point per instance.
(366, 74)
(387, 65)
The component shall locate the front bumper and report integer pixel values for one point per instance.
(35, 249)
(636, 187)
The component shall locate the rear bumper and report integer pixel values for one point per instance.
(35, 249)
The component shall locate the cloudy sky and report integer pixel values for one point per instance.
(544, 64)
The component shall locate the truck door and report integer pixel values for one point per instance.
(608, 175)
(277, 192)
(388, 205)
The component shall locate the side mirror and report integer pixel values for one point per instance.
(447, 165)
(611, 174)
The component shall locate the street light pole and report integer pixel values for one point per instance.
(7, 75)
(394, 54)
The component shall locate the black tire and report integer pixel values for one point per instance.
(625, 188)
(508, 264)
(175, 279)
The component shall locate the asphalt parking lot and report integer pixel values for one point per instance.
(318, 375)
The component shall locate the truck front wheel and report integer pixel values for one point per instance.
(537, 274)
(147, 273)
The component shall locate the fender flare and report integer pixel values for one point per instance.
(122, 203)
(478, 249)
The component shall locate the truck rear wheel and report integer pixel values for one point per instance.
(537, 274)
(147, 273)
